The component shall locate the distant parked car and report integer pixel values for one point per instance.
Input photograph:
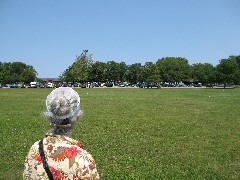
(69, 84)
(209, 85)
(167, 84)
(5, 86)
(121, 85)
(40, 85)
(27, 85)
(64, 84)
(12, 85)
(33, 84)
(82, 85)
(50, 85)
(198, 85)
(109, 84)
(154, 84)
(151, 85)
(76, 85)
(182, 85)
(148, 85)
(94, 84)
(19, 85)
(58, 85)
(139, 85)
(171, 85)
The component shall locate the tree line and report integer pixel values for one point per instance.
(12, 72)
(166, 69)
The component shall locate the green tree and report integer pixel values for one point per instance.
(235, 58)
(112, 70)
(173, 69)
(227, 72)
(134, 73)
(5, 72)
(12, 72)
(204, 73)
(68, 75)
(79, 71)
(98, 72)
(1, 70)
(122, 69)
(28, 74)
(149, 71)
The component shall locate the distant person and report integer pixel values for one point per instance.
(58, 156)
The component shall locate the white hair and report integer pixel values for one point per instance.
(62, 109)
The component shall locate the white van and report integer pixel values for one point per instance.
(33, 84)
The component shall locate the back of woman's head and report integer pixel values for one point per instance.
(62, 109)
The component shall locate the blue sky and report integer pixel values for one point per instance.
(48, 34)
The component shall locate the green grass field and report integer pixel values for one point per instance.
(134, 133)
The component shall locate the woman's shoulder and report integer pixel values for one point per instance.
(67, 150)
(59, 144)
(67, 142)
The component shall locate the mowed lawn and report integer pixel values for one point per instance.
(188, 133)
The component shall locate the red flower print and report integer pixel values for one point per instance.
(75, 176)
(50, 148)
(79, 145)
(37, 157)
(55, 173)
(71, 152)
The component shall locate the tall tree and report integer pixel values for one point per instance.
(28, 74)
(112, 69)
(227, 72)
(173, 69)
(1, 74)
(11, 72)
(98, 72)
(134, 73)
(79, 71)
(204, 73)
(235, 58)
(149, 71)
(122, 69)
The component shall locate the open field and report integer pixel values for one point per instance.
(135, 133)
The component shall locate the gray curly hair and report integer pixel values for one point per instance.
(62, 110)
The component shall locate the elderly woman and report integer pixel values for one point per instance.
(57, 156)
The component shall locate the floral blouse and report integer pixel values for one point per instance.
(66, 159)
